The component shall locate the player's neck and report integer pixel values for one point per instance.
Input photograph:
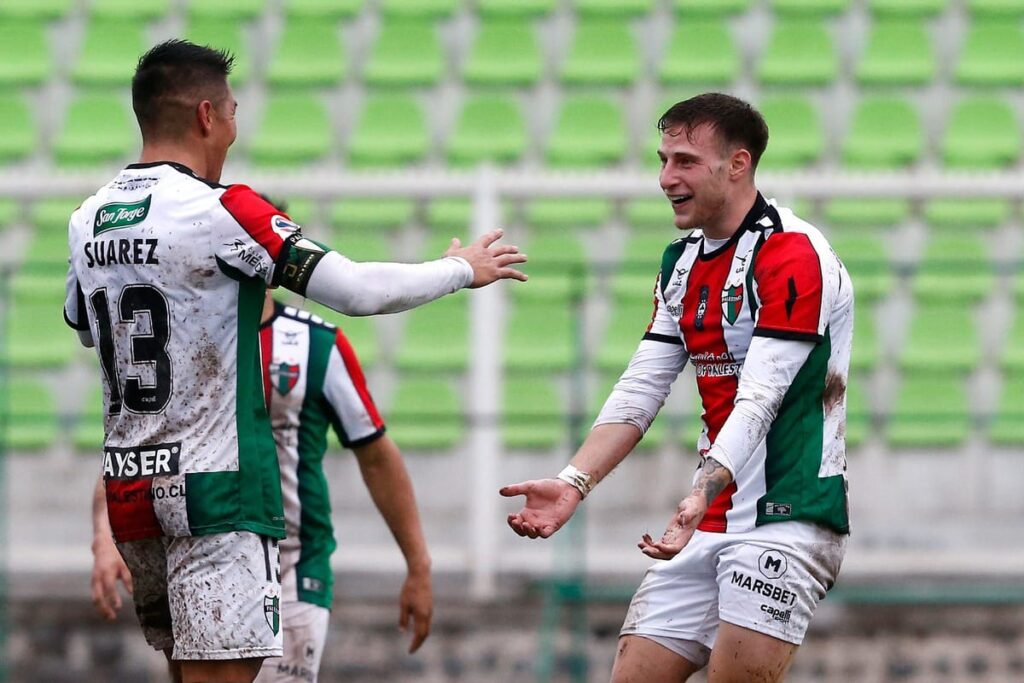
(732, 216)
(194, 161)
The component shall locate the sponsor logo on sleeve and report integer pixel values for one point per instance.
(283, 227)
(141, 462)
(120, 215)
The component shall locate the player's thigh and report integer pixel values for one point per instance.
(146, 559)
(640, 659)
(741, 655)
(224, 595)
(220, 671)
(305, 634)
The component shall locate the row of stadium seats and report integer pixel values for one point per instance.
(588, 131)
(310, 52)
(427, 414)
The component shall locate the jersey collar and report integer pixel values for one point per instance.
(757, 211)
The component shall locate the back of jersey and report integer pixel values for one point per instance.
(167, 274)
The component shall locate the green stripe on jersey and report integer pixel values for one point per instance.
(668, 261)
(794, 451)
(316, 534)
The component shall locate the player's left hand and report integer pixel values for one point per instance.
(416, 604)
(679, 532)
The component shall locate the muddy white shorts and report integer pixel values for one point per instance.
(208, 597)
(305, 634)
(769, 580)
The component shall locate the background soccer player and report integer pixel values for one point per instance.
(763, 308)
(167, 276)
(313, 382)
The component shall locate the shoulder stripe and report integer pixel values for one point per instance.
(255, 215)
(355, 372)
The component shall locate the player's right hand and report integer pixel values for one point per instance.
(549, 505)
(490, 262)
(107, 569)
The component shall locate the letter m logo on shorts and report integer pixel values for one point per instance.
(120, 215)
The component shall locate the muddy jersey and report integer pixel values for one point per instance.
(167, 274)
(775, 277)
(312, 381)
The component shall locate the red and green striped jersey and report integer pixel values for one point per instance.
(312, 380)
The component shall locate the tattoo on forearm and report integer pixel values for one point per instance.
(713, 479)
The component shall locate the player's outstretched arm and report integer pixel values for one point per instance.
(387, 480)
(360, 289)
(107, 565)
(551, 502)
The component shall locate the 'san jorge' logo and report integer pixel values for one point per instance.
(120, 215)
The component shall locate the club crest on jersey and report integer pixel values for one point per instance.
(286, 376)
(272, 611)
(732, 303)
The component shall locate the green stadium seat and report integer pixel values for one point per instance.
(363, 244)
(867, 262)
(37, 336)
(1012, 358)
(425, 414)
(308, 54)
(52, 214)
(361, 332)
(899, 52)
(656, 435)
(943, 339)
(32, 423)
(238, 10)
(106, 60)
(505, 52)
(590, 132)
(906, 8)
(650, 214)
(326, 10)
(40, 287)
(800, 52)
(534, 413)
(88, 434)
(295, 131)
(612, 8)
(993, 9)
(982, 133)
(867, 213)
(808, 8)
(966, 213)
(858, 415)
(489, 128)
(866, 355)
(700, 52)
(391, 132)
(560, 213)
(223, 34)
(629, 321)
(930, 411)
(993, 54)
(34, 9)
(885, 133)
(603, 52)
(709, 8)
(97, 129)
(436, 337)
(377, 213)
(24, 52)
(954, 268)
(558, 268)
(20, 131)
(418, 9)
(514, 8)
(450, 215)
(129, 9)
(540, 337)
(437, 243)
(797, 138)
(1007, 428)
(407, 53)
(641, 261)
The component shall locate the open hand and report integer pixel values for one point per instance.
(679, 532)
(490, 262)
(549, 505)
(107, 569)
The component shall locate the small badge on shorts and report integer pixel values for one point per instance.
(772, 564)
(272, 611)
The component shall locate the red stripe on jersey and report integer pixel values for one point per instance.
(715, 520)
(266, 357)
(789, 284)
(130, 510)
(348, 355)
(255, 215)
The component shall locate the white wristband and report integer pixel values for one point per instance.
(583, 482)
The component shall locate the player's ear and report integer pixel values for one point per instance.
(740, 164)
(204, 117)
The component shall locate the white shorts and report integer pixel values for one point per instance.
(769, 580)
(208, 597)
(305, 633)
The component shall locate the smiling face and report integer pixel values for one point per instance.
(697, 174)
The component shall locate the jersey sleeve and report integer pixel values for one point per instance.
(792, 289)
(258, 240)
(353, 413)
(664, 327)
(74, 303)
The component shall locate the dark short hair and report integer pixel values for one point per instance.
(736, 123)
(171, 79)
